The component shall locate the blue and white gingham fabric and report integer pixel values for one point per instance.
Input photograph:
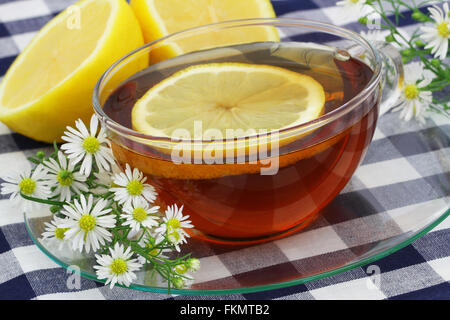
(418, 271)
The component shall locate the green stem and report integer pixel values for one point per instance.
(44, 201)
(393, 29)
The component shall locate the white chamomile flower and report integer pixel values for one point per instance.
(354, 8)
(193, 264)
(63, 178)
(183, 273)
(437, 36)
(140, 214)
(29, 183)
(118, 267)
(84, 144)
(54, 232)
(131, 187)
(173, 225)
(374, 37)
(414, 100)
(88, 223)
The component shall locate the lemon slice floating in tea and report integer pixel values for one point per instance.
(229, 96)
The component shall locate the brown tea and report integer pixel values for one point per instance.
(231, 201)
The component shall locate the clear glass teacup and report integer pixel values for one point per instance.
(266, 184)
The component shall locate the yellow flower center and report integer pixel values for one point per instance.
(65, 178)
(135, 187)
(174, 237)
(119, 266)
(443, 29)
(174, 223)
(91, 144)
(139, 214)
(411, 91)
(354, 1)
(181, 269)
(60, 233)
(27, 186)
(87, 222)
(154, 251)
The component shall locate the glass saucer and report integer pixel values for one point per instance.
(399, 193)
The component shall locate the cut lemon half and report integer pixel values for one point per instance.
(50, 84)
(159, 18)
(233, 99)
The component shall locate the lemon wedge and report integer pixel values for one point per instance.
(50, 84)
(159, 18)
(224, 96)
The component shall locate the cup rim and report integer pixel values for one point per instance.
(290, 22)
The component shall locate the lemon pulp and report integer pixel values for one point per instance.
(65, 49)
(224, 96)
(50, 83)
(159, 18)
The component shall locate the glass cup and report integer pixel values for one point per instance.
(265, 185)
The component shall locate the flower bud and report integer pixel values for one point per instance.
(407, 52)
(193, 264)
(390, 38)
(406, 59)
(436, 63)
(178, 283)
(363, 21)
(419, 16)
(40, 154)
(419, 43)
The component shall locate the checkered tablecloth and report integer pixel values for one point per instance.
(418, 271)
